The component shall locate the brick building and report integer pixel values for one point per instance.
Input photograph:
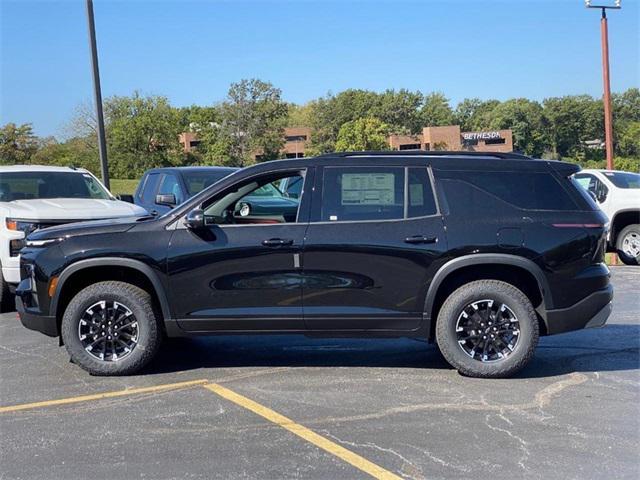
(451, 138)
(432, 138)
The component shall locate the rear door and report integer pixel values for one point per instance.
(370, 249)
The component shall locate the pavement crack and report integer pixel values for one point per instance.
(522, 444)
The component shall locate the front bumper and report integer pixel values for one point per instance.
(36, 321)
(32, 317)
(591, 311)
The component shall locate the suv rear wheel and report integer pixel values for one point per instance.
(628, 244)
(487, 329)
(111, 328)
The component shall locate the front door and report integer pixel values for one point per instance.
(243, 271)
(370, 248)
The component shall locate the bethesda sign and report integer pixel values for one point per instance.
(481, 135)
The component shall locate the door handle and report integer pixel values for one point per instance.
(277, 242)
(420, 239)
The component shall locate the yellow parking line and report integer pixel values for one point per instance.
(303, 432)
(100, 396)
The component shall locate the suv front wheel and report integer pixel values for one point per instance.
(487, 329)
(111, 328)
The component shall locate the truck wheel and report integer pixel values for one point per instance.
(628, 244)
(111, 328)
(487, 329)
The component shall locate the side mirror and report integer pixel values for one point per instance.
(166, 199)
(125, 198)
(195, 219)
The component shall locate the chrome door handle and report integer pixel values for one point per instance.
(277, 242)
(420, 239)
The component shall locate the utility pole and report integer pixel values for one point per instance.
(608, 115)
(97, 94)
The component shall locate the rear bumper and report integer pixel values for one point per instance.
(591, 311)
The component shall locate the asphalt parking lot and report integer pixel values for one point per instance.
(291, 407)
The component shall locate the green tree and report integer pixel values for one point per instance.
(473, 114)
(570, 120)
(252, 120)
(400, 110)
(142, 132)
(74, 152)
(17, 143)
(524, 117)
(629, 139)
(436, 111)
(363, 134)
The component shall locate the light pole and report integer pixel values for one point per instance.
(608, 118)
(102, 146)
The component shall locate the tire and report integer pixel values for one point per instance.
(628, 243)
(139, 329)
(512, 349)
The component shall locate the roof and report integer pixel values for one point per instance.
(192, 169)
(38, 168)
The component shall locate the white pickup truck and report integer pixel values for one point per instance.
(618, 195)
(33, 197)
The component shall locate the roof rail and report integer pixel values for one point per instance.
(428, 153)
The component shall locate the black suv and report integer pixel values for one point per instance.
(480, 252)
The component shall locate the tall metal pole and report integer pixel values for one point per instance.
(102, 145)
(608, 117)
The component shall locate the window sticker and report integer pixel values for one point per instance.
(368, 188)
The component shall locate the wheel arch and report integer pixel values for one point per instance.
(622, 219)
(142, 273)
(522, 272)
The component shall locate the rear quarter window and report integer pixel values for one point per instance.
(479, 190)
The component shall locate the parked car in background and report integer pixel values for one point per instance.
(33, 197)
(162, 189)
(618, 195)
(482, 252)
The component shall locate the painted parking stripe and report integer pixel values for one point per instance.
(304, 433)
(101, 396)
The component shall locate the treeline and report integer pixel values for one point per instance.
(142, 131)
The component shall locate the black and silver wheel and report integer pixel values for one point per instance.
(487, 328)
(111, 328)
(628, 245)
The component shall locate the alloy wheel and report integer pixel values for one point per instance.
(108, 331)
(487, 330)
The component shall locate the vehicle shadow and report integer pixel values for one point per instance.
(612, 348)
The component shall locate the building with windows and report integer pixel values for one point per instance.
(451, 138)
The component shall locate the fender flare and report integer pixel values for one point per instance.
(143, 268)
(485, 258)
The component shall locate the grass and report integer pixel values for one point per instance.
(123, 186)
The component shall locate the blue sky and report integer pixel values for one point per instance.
(191, 51)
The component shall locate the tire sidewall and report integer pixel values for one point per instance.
(147, 329)
(505, 293)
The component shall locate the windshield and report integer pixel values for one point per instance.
(35, 185)
(624, 179)
(198, 181)
(267, 190)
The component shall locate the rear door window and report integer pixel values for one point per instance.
(362, 193)
(420, 195)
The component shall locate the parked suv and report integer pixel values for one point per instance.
(162, 189)
(33, 197)
(481, 252)
(618, 195)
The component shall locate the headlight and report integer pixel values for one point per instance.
(43, 243)
(21, 226)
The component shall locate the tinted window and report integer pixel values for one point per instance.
(148, 194)
(525, 190)
(171, 186)
(198, 181)
(421, 200)
(32, 185)
(362, 193)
